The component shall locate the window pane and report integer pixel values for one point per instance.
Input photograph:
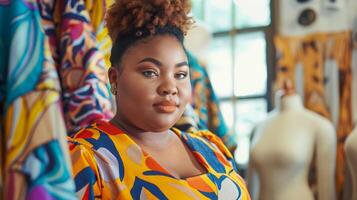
(218, 14)
(251, 66)
(227, 108)
(251, 13)
(249, 113)
(220, 66)
(197, 9)
(242, 152)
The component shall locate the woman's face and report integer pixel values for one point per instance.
(153, 84)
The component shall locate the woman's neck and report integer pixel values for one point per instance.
(142, 137)
(290, 102)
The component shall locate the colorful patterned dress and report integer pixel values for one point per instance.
(108, 164)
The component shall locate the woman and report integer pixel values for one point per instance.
(137, 155)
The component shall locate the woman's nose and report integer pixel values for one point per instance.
(168, 87)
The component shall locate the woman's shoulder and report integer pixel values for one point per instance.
(96, 144)
(94, 136)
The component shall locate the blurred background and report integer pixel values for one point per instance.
(255, 45)
(241, 57)
(54, 57)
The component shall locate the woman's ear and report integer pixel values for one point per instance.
(113, 75)
(113, 79)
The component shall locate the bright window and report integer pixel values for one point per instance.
(238, 63)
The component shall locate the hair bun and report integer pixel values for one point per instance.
(125, 15)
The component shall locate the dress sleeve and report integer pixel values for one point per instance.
(85, 171)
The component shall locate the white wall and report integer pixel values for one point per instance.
(331, 17)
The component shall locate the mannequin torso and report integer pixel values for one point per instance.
(283, 148)
(351, 159)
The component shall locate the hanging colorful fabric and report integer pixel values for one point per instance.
(34, 153)
(81, 65)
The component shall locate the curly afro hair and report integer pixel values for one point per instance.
(126, 15)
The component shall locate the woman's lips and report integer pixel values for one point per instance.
(166, 106)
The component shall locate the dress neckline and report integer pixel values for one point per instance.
(181, 135)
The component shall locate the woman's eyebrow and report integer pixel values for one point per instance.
(181, 64)
(158, 63)
(152, 60)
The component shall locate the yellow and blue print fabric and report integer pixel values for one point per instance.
(34, 160)
(108, 164)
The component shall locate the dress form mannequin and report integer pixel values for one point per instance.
(350, 191)
(283, 147)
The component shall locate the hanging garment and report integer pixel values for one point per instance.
(312, 52)
(108, 164)
(96, 10)
(34, 153)
(81, 66)
(332, 94)
(205, 104)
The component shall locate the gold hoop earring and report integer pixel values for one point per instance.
(113, 89)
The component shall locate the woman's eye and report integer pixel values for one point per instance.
(181, 75)
(149, 74)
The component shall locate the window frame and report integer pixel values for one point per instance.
(270, 52)
(269, 32)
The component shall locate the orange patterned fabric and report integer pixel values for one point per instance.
(311, 52)
(108, 164)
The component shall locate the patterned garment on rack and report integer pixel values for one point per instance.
(79, 60)
(206, 113)
(312, 53)
(108, 164)
(34, 153)
(96, 10)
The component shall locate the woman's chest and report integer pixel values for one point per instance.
(178, 160)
